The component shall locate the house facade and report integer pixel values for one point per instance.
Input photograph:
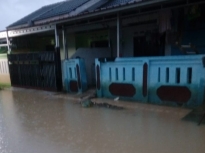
(4, 70)
(141, 50)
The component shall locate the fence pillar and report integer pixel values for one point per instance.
(58, 61)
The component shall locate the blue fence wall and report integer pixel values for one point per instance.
(177, 80)
(74, 75)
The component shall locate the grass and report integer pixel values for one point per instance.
(3, 85)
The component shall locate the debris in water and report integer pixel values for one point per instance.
(87, 103)
(106, 105)
(117, 98)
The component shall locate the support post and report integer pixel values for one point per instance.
(56, 37)
(110, 44)
(8, 42)
(58, 71)
(118, 35)
(64, 43)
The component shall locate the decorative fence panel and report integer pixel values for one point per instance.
(74, 75)
(171, 80)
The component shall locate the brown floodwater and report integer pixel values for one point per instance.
(39, 122)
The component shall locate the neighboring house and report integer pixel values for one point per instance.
(152, 30)
(4, 70)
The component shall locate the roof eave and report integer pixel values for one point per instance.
(103, 11)
(17, 27)
(67, 18)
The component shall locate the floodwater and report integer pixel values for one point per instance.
(38, 122)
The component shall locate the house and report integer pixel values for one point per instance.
(144, 50)
(4, 70)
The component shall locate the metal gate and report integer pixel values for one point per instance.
(40, 70)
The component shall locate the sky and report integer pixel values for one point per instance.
(13, 10)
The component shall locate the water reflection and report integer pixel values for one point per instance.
(36, 122)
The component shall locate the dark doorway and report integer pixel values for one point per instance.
(146, 46)
(99, 44)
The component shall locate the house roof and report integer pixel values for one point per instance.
(33, 15)
(110, 3)
(62, 8)
(50, 11)
(65, 7)
(115, 2)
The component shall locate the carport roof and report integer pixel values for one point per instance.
(64, 8)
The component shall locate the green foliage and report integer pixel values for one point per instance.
(3, 50)
(4, 85)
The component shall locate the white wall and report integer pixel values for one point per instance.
(71, 44)
(128, 33)
(89, 55)
(113, 38)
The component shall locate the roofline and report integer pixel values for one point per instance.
(66, 18)
(10, 26)
(18, 27)
(102, 11)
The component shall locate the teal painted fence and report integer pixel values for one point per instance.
(175, 80)
(74, 75)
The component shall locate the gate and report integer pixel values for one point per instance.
(40, 70)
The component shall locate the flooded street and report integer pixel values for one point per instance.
(38, 122)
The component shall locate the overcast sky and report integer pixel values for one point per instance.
(13, 10)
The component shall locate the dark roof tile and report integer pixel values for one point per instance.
(64, 8)
(35, 14)
(115, 3)
(50, 11)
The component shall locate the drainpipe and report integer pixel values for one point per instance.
(118, 35)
